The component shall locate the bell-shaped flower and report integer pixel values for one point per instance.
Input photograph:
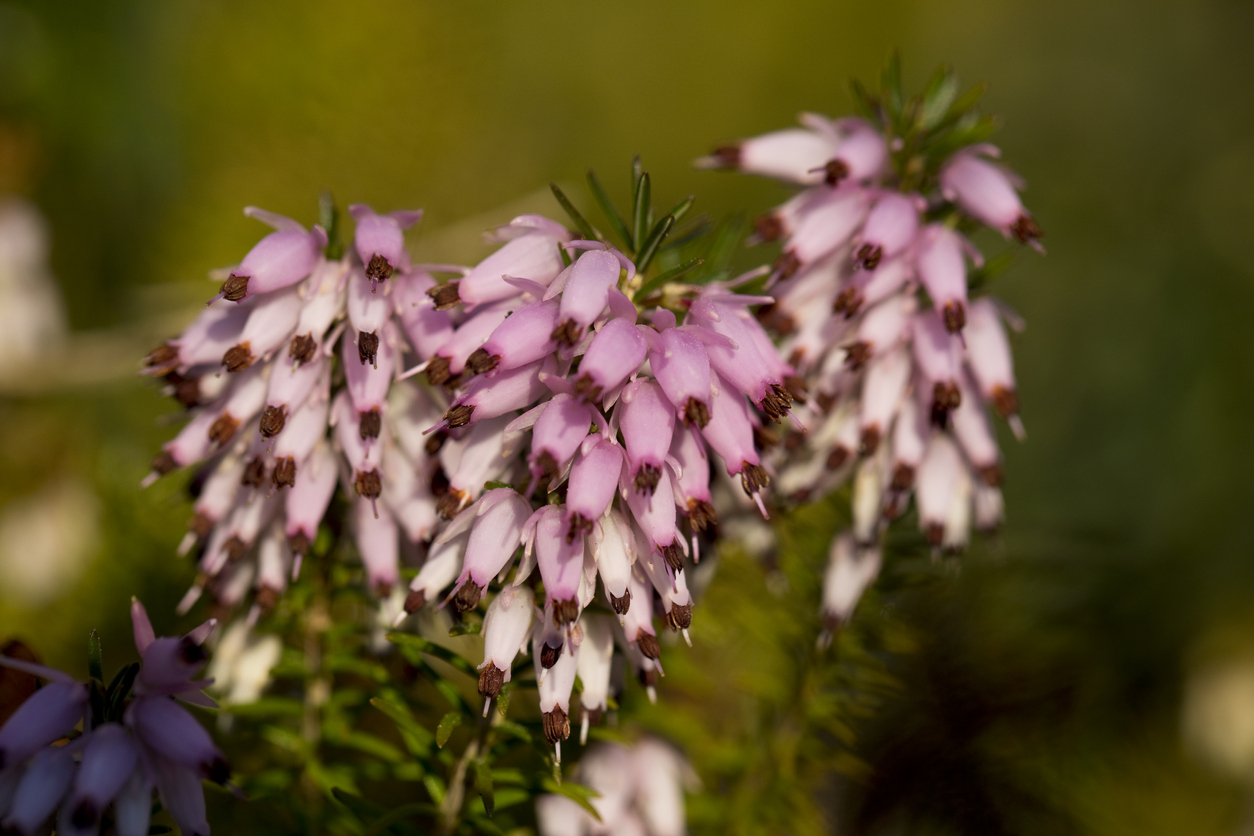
(307, 501)
(279, 260)
(850, 570)
(882, 391)
(692, 480)
(324, 303)
(171, 732)
(988, 192)
(490, 396)
(426, 327)
(523, 338)
(938, 353)
(506, 626)
(796, 155)
(532, 251)
(593, 481)
(558, 431)
(380, 240)
(880, 329)
(594, 665)
(647, 420)
(613, 547)
(943, 271)
(866, 288)
(828, 222)
(109, 758)
(585, 294)
(560, 562)
(498, 519)
(270, 324)
(988, 356)
(730, 433)
(378, 545)
(614, 354)
(51, 713)
(910, 437)
(890, 227)
(860, 154)
(555, 688)
(936, 484)
(478, 457)
(40, 790)
(290, 385)
(974, 434)
(443, 563)
(450, 358)
(678, 361)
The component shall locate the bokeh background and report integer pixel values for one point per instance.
(1091, 670)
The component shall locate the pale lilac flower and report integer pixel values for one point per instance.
(271, 320)
(506, 626)
(988, 356)
(615, 354)
(613, 547)
(490, 396)
(498, 519)
(594, 665)
(380, 240)
(560, 561)
(555, 688)
(889, 229)
(943, 271)
(678, 360)
(279, 260)
(426, 327)
(989, 193)
(531, 251)
(556, 436)
(443, 564)
(585, 294)
(593, 481)
(797, 155)
(850, 570)
(525, 337)
(647, 421)
(477, 457)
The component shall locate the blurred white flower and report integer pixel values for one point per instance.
(47, 538)
(242, 663)
(1217, 717)
(32, 313)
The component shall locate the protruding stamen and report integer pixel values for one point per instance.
(235, 287)
(753, 478)
(367, 484)
(491, 678)
(369, 423)
(857, 354)
(567, 333)
(438, 372)
(903, 477)
(955, 316)
(647, 478)
(579, 526)
(868, 256)
(467, 596)
(459, 416)
(235, 549)
(1026, 229)
(284, 475)
(648, 645)
(586, 389)
(414, 601)
(302, 347)
(549, 655)
(379, 269)
(481, 362)
(254, 473)
(621, 604)
(368, 348)
(837, 457)
(445, 296)
(695, 412)
(273, 419)
(768, 227)
(223, 429)
(834, 171)
(701, 515)
(870, 441)
(565, 612)
(787, 264)
(776, 402)
(991, 474)
(238, 357)
(451, 502)
(848, 302)
(679, 617)
(298, 543)
(674, 556)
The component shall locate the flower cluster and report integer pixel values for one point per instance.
(640, 790)
(134, 737)
(872, 308)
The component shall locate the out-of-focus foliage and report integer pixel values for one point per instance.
(1037, 683)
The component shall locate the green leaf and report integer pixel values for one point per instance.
(119, 689)
(514, 730)
(483, 784)
(359, 806)
(269, 707)
(611, 211)
(398, 815)
(892, 82)
(646, 253)
(95, 666)
(465, 629)
(864, 102)
(681, 208)
(490, 485)
(939, 94)
(670, 275)
(575, 792)
(434, 786)
(416, 644)
(637, 171)
(329, 218)
(400, 715)
(580, 221)
(640, 214)
(502, 699)
(448, 722)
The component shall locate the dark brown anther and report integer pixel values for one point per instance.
(368, 348)
(445, 296)
(369, 423)
(565, 612)
(594, 716)
(868, 256)
(238, 357)
(1026, 229)
(776, 402)
(647, 642)
(254, 473)
(556, 725)
(579, 526)
(774, 319)
(621, 604)
(190, 653)
(235, 549)
(163, 463)
(235, 287)
(1005, 401)
(223, 429)
(200, 524)
(219, 771)
(697, 413)
(459, 416)
(935, 534)
(481, 362)
(186, 390)
(945, 397)
(753, 477)
(438, 372)
(834, 171)
(701, 515)
(439, 482)
(955, 316)
(726, 156)
(837, 458)
(415, 600)
(549, 655)
(382, 589)
(450, 503)
(368, 484)
(793, 441)
(870, 441)
(991, 474)
(491, 678)
(378, 269)
(298, 543)
(647, 478)
(273, 419)
(797, 388)
(825, 401)
(768, 227)
(674, 556)
(586, 389)
(648, 678)
(267, 598)
(547, 469)
(848, 302)
(435, 441)
(680, 617)
(787, 264)
(166, 354)
(467, 596)
(765, 438)
(857, 354)
(567, 333)
(284, 475)
(302, 347)
(903, 477)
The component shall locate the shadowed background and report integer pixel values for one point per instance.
(1051, 670)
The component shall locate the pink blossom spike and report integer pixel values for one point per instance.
(975, 435)
(270, 325)
(380, 240)
(109, 757)
(50, 713)
(987, 192)
(593, 480)
(988, 356)
(647, 421)
(882, 391)
(937, 481)
(308, 499)
(943, 271)
(172, 733)
(938, 353)
(890, 227)
(141, 626)
(615, 354)
(692, 482)
(378, 545)
(426, 327)
(613, 546)
(586, 294)
(730, 433)
(497, 531)
(279, 260)
(523, 338)
(796, 155)
(488, 397)
(40, 789)
(679, 362)
(560, 563)
(505, 628)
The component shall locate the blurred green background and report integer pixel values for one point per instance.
(1053, 668)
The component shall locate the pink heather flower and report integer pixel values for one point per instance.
(506, 627)
(882, 391)
(494, 395)
(450, 358)
(380, 240)
(324, 303)
(557, 815)
(270, 323)
(678, 360)
(213, 332)
(616, 353)
(826, 224)
(531, 251)
(730, 433)
(109, 758)
(797, 155)
(594, 665)
(943, 271)
(48, 715)
(850, 570)
(890, 227)
(647, 421)
(659, 777)
(910, 437)
(524, 337)
(593, 481)
(443, 563)
(935, 485)
(560, 562)
(560, 428)
(426, 327)
(613, 548)
(585, 294)
(477, 457)
(498, 519)
(974, 434)
(672, 589)
(867, 288)
(555, 687)
(692, 481)
(279, 260)
(938, 353)
(988, 192)
(742, 357)
(40, 789)
(378, 545)
(290, 385)
(988, 356)
(308, 499)
(655, 516)
(861, 152)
